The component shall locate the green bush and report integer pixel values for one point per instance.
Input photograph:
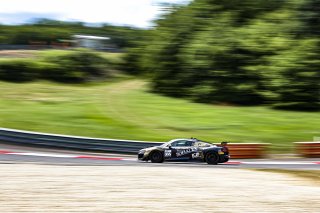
(302, 106)
(18, 70)
(77, 66)
(62, 66)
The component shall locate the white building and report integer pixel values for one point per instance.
(92, 42)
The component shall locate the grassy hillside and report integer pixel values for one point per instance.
(125, 109)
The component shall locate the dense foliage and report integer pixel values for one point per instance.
(19, 70)
(51, 31)
(67, 66)
(245, 52)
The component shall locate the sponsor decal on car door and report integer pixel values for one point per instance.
(185, 152)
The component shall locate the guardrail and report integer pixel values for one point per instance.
(73, 142)
(237, 150)
(308, 149)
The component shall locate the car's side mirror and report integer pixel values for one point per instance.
(170, 147)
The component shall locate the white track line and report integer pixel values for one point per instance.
(42, 154)
(90, 157)
(5, 152)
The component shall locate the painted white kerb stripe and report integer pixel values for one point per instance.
(54, 155)
(5, 152)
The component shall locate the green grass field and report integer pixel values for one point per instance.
(124, 109)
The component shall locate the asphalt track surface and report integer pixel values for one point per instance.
(20, 154)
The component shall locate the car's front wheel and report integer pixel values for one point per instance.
(156, 157)
(212, 158)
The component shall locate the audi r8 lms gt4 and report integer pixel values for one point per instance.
(185, 149)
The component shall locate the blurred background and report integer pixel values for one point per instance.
(241, 71)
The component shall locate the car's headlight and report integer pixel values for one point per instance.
(142, 151)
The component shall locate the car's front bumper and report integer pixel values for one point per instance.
(224, 158)
(142, 156)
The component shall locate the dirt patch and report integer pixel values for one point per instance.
(17, 53)
(45, 188)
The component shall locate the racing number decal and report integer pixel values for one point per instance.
(167, 153)
(196, 155)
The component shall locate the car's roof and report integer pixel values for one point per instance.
(180, 139)
(187, 139)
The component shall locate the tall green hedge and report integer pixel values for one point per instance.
(68, 66)
(77, 66)
(19, 70)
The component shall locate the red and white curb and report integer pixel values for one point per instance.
(91, 157)
(54, 155)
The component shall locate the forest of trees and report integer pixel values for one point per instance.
(246, 52)
(49, 31)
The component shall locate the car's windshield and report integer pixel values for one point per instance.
(165, 144)
(185, 143)
(178, 143)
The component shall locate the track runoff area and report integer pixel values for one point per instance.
(79, 158)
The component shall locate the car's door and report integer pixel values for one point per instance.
(199, 146)
(182, 149)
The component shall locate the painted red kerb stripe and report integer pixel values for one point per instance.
(96, 158)
(4, 152)
(233, 163)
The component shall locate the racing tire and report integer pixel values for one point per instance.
(156, 157)
(212, 158)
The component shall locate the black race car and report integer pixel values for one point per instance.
(186, 149)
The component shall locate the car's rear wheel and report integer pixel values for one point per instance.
(212, 158)
(156, 157)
